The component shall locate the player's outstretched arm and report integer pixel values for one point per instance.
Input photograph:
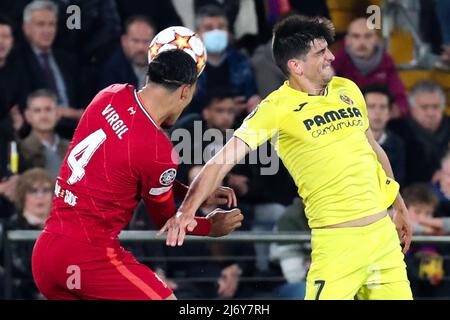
(203, 185)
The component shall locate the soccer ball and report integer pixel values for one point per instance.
(179, 38)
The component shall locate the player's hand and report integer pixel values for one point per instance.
(221, 196)
(176, 228)
(229, 281)
(401, 220)
(224, 222)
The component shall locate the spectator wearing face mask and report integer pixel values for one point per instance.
(226, 69)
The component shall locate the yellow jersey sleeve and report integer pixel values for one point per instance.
(260, 125)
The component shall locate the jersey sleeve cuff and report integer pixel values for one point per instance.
(203, 227)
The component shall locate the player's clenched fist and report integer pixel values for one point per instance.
(224, 222)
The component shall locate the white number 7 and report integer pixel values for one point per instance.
(87, 148)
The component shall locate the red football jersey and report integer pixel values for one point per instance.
(118, 155)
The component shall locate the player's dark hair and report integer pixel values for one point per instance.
(379, 88)
(138, 18)
(419, 193)
(293, 36)
(172, 68)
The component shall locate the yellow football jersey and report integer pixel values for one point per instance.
(322, 142)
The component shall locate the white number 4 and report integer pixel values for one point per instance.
(86, 148)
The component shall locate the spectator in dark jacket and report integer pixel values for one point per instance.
(426, 132)
(50, 68)
(226, 68)
(128, 64)
(364, 60)
(379, 105)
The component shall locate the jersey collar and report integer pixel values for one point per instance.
(141, 106)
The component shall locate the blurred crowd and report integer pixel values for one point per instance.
(50, 70)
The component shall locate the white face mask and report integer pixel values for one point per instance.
(216, 41)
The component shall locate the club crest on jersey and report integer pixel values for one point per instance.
(168, 176)
(346, 99)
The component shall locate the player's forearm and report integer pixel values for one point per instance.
(384, 160)
(203, 185)
(212, 174)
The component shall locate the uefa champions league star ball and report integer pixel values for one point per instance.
(179, 38)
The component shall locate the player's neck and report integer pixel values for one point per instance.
(304, 85)
(156, 102)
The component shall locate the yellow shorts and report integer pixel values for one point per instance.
(358, 263)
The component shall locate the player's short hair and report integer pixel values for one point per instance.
(209, 11)
(26, 181)
(39, 5)
(381, 89)
(172, 68)
(138, 18)
(293, 37)
(429, 86)
(41, 93)
(419, 193)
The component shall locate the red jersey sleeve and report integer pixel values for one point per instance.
(158, 190)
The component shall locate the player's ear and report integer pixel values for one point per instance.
(295, 67)
(185, 91)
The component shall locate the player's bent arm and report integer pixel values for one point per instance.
(212, 174)
(401, 219)
(384, 160)
(381, 155)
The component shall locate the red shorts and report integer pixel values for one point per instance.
(66, 268)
